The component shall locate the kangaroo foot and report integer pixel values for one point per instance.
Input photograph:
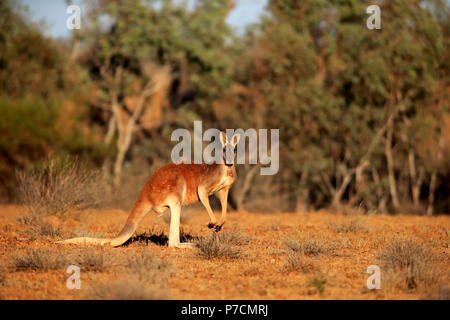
(212, 225)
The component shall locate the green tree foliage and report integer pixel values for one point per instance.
(144, 51)
(24, 68)
(34, 93)
(363, 114)
(352, 104)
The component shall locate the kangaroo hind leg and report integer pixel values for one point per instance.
(174, 231)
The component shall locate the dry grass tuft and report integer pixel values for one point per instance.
(319, 282)
(409, 266)
(60, 186)
(353, 225)
(91, 258)
(42, 259)
(127, 288)
(43, 229)
(147, 280)
(148, 267)
(38, 259)
(219, 246)
(37, 227)
(311, 247)
(297, 262)
(233, 237)
(49, 230)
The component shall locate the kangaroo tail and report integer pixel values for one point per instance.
(139, 211)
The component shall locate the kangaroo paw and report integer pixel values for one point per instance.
(218, 227)
(211, 225)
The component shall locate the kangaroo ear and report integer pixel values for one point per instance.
(235, 139)
(223, 138)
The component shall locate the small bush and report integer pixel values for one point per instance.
(319, 282)
(38, 259)
(409, 266)
(296, 262)
(217, 246)
(90, 258)
(127, 288)
(233, 238)
(47, 229)
(148, 267)
(147, 280)
(60, 186)
(38, 227)
(30, 219)
(309, 247)
(353, 226)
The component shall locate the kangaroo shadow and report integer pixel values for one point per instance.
(158, 238)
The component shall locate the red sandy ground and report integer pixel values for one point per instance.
(257, 274)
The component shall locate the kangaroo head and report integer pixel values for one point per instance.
(229, 147)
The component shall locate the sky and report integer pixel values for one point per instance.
(53, 12)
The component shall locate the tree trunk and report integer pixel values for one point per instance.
(362, 164)
(125, 136)
(245, 187)
(111, 130)
(430, 208)
(336, 202)
(302, 203)
(381, 206)
(416, 181)
(390, 165)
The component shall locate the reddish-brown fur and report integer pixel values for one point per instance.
(173, 186)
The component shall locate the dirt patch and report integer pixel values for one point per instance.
(280, 256)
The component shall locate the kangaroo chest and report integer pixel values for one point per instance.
(226, 178)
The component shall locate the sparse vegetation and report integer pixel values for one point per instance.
(353, 225)
(47, 229)
(39, 259)
(146, 279)
(308, 247)
(60, 186)
(127, 288)
(92, 258)
(297, 262)
(37, 227)
(409, 266)
(148, 267)
(233, 237)
(219, 246)
(315, 261)
(364, 128)
(319, 282)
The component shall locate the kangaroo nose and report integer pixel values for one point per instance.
(229, 156)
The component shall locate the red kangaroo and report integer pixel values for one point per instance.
(175, 185)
